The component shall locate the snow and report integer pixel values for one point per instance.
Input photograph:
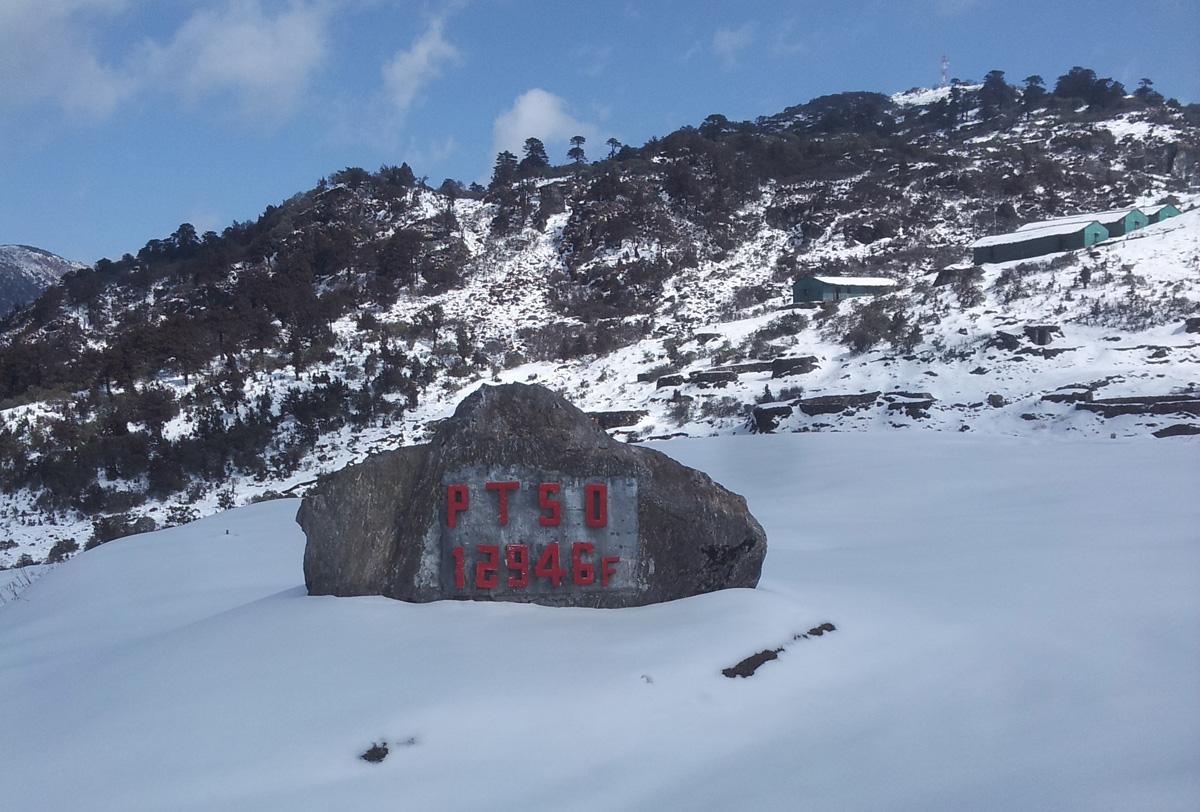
(1133, 126)
(923, 97)
(1016, 625)
(862, 281)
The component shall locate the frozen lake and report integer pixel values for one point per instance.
(1017, 629)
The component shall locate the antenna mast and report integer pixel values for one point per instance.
(945, 71)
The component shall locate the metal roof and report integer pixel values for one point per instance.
(1024, 235)
(1150, 211)
(863, 281)
(1100, 217)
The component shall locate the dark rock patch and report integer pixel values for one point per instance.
(1069, 396)
(764, 418)
(1005, 341)
(835, 404)
(783, 367)
(717, 379)
(375, 753)
(1178, 430)
(1148, 405)
(616, 419)
(1043, 334)
(748, 666)
(742, 369)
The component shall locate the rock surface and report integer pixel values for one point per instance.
(382, 527)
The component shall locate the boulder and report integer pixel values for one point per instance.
(765, 417)
(1042, 334)
(1005, 341)
(520, 496)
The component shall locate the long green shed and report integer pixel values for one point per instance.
(1119, 222)
(1037, 242)
(836, 288)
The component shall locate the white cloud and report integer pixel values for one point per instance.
(265, 60)
(47, 55)
(789, 38)
(728, 43)
(540, 114)
(408, 72)
(592, 60)
(52, 52)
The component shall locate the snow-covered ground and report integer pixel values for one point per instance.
(1016, 629)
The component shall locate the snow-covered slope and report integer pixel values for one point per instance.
(215, 370)
(1015, 620)
(1121, 336)
(26, 271)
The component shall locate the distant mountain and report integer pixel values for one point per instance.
(26, 271)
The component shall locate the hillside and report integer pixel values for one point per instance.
(26, 271)
(1014, 628)
(210, 370)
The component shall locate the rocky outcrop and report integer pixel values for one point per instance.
(717, 379)
(834, 404)
(520, 496)
(1069, 395)
(1178, 430)
(617, 419)
(783, 367)
(766, 416)
(914, 404)
(1042, 334)
(1144, 405)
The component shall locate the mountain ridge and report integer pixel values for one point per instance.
(26, 271)
(209, 370)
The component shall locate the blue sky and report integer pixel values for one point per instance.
(120, 119)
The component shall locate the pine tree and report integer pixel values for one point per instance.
(1034, 94)
(504, 172)
(536, 160)
(575, 153)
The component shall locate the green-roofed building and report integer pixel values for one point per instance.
(1163, 211)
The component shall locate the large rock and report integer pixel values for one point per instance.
(422, 524)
